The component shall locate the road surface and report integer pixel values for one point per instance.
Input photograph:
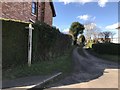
(90, 72)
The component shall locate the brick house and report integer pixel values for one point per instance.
(29, 11)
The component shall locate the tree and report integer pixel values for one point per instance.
(76, 28)
(106, 35)
(91, 30)
(81, 40)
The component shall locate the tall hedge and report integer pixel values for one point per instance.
(48, 42)
(14, 43)
(107, 48)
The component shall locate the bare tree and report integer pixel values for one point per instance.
(100, 35)
(107, 36)
(91, 30)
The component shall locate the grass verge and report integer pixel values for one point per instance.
(60, 64)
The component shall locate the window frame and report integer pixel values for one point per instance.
(34, 8)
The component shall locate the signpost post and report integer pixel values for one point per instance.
(30, 44)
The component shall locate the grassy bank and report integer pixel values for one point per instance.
(60, 64)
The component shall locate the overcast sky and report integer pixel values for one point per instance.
(103, 13)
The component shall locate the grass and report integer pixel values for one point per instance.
(60, 64)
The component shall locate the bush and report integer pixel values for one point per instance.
(14, 43)
(107, 48)
(48, 42)
(89, 44)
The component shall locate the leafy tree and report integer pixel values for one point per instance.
(76, 29)
(82, 40)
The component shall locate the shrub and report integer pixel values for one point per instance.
(48, 42)
(14, 43)
(107, 48)
(89, 44)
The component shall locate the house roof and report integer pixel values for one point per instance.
(53, 9)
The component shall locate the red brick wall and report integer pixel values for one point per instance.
(17, 10)
(22, 11)
(0, 9)
(39, 11)
(48, 14)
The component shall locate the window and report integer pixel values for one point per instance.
(34, 7)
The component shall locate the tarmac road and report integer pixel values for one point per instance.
(90, 72)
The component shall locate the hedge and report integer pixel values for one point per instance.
(14, 43)
(48, 43)
(107, 48)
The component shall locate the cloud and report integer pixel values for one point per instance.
(86, 17)
(113, 26)
(101, 3)
(90, 26)
(65, 1)
(71, 1)
(84, 1)
(65, 31)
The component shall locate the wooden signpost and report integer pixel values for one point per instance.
(29, 44)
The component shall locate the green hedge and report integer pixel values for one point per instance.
(107, 48)
(48, 43)
(14, 43)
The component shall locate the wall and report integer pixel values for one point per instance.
(17, 10)
(22, 11)
(48, 14)
(0, 9)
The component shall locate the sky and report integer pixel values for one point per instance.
(103, 13)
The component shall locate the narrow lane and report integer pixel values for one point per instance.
(86, 68)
